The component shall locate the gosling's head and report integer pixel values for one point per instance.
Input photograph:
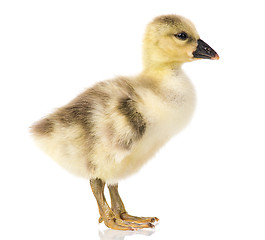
(171, 40)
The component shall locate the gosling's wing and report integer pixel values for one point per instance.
(118, 125)
(132, 123)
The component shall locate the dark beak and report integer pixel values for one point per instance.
(203, 50)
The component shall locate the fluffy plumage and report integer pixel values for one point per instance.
(111, 129)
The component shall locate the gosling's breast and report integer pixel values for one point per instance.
(170, 107)
(166, 112)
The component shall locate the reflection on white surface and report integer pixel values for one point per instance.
(110, 234)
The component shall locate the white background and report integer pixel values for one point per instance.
(206, 183)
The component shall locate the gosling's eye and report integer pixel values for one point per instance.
(182, 36)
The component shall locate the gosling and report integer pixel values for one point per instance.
(112, 129)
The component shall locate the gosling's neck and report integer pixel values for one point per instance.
(159, 71)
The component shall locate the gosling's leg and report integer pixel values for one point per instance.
(110, 219)
(119, 208)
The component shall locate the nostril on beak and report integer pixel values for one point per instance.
(208, 50)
